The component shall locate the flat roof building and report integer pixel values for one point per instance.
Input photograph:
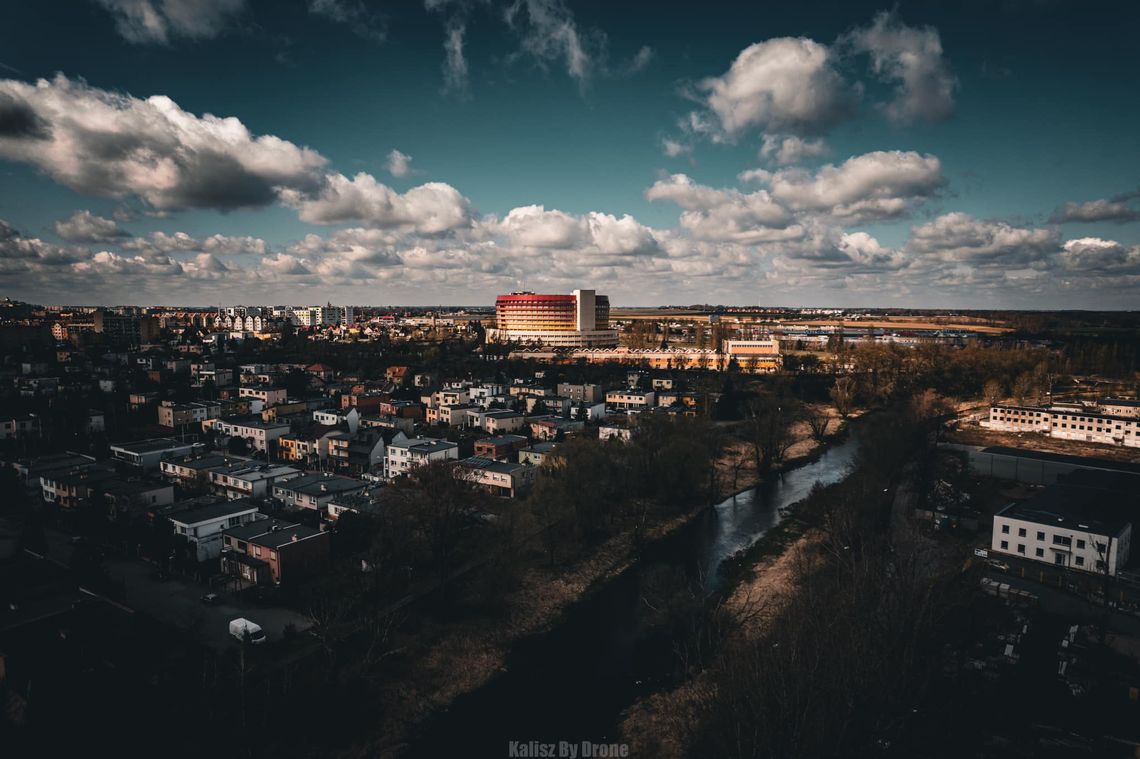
(578, 320)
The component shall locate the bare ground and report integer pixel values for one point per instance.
(974, 435)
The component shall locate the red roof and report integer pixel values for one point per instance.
(530, 297)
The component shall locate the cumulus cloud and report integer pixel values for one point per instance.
(535, 227)
(785, 151)
(674, 148)
(780, 85)
(161, 243)
(399, 164)
(160, 21)
(725, 214)
(877, 185)
(1092, 254)
(429, 208)
(912, 59)
(354, 14)
(960, 237)
(84, 226)
(103, 143)
(1115, 210)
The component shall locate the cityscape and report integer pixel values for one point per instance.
(771, 388)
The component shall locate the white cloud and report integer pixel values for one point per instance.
(780, 85)
(399, 164)
(1093, 254)
(1095, 210)
(84, 226)
(641, 60)
(877, 185)
(159, 21)
(788, 150)
(592, 234)
(726, 214)
(428, 209)
(550, 34)
(959, 237)
(104, 143)
(913, 59)
(673, 148)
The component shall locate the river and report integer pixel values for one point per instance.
(573, 682)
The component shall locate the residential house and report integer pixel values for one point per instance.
(314, 491)
(402, 456)
(274, 551)
(501, 478)
(203, 525)
(149, 454)
(248, 479)
(500, 447)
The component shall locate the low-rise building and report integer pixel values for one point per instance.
(191, 470)
(1081, 528)
(274, 551)
(131, 497)
(1086, 423)
(500, 447)
(203, 525)
(404, 455)
(630, 399)
(176, 415)
(358, 452)
(499, 421)
(259, 433)
(149, 454)
(248, 479)
(501, 478)
(536, 454)
(19, 427)
(267, 394)
(584, 393)
(314, 491)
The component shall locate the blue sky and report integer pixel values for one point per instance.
(934, 154)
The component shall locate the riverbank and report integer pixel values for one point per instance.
(470, 656)
(662, 725)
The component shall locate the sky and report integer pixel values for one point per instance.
(919, 154)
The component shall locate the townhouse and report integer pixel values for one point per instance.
(247, 479)
(402, 456)
(274, 551)
(314, 491)
(203, 524)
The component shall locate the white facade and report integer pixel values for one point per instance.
(1069, 422)
(1069, 544)
(402, 456)
(203, 527)
(630, 399)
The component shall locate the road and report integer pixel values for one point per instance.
(178, 603)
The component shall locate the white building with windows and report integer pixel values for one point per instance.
(402, 456)
(202, 525)
(1103, 423)
(1081, 528)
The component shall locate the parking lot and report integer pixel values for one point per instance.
(178, 603)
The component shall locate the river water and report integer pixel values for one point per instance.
(572, 683)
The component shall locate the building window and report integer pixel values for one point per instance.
(1005, 529)
(1021, 548)
(1059, 540)
(1040, 552)
(1005, 545)
(1040, 535)
(1080, 544)
(1080, 560)
(1021, 532)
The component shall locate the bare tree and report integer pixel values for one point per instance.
(769, 429)
(843, 396)
(819, 420)
(992, 391)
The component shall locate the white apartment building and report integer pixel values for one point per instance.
(498, 421)
(269, 396)
(203, 525)
(1067, 526)
(246, 479)
(630, 399)
(402, 456)
(1090, 424)
(260, 433)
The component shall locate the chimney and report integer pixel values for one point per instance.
(294, 537)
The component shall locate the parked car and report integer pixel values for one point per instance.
(240, 627)
(995, 564)
(211, 599)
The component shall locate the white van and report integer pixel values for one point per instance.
(239, 627)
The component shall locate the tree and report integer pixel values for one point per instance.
(819, 420)
(992, 391)
(769, 429)
(843, 395)
(1023, 387)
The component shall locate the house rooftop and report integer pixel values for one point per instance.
(318, 484)
(1076, 508)
(271, 533)
(151, 445)
(502, 440)
(1064, 458)
(212, 512)
(490, 465)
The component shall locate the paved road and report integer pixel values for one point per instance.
(178, 603)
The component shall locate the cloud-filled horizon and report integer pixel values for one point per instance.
(162, 151)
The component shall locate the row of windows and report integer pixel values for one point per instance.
(1040, 553)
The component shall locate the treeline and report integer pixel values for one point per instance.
(838, 670)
